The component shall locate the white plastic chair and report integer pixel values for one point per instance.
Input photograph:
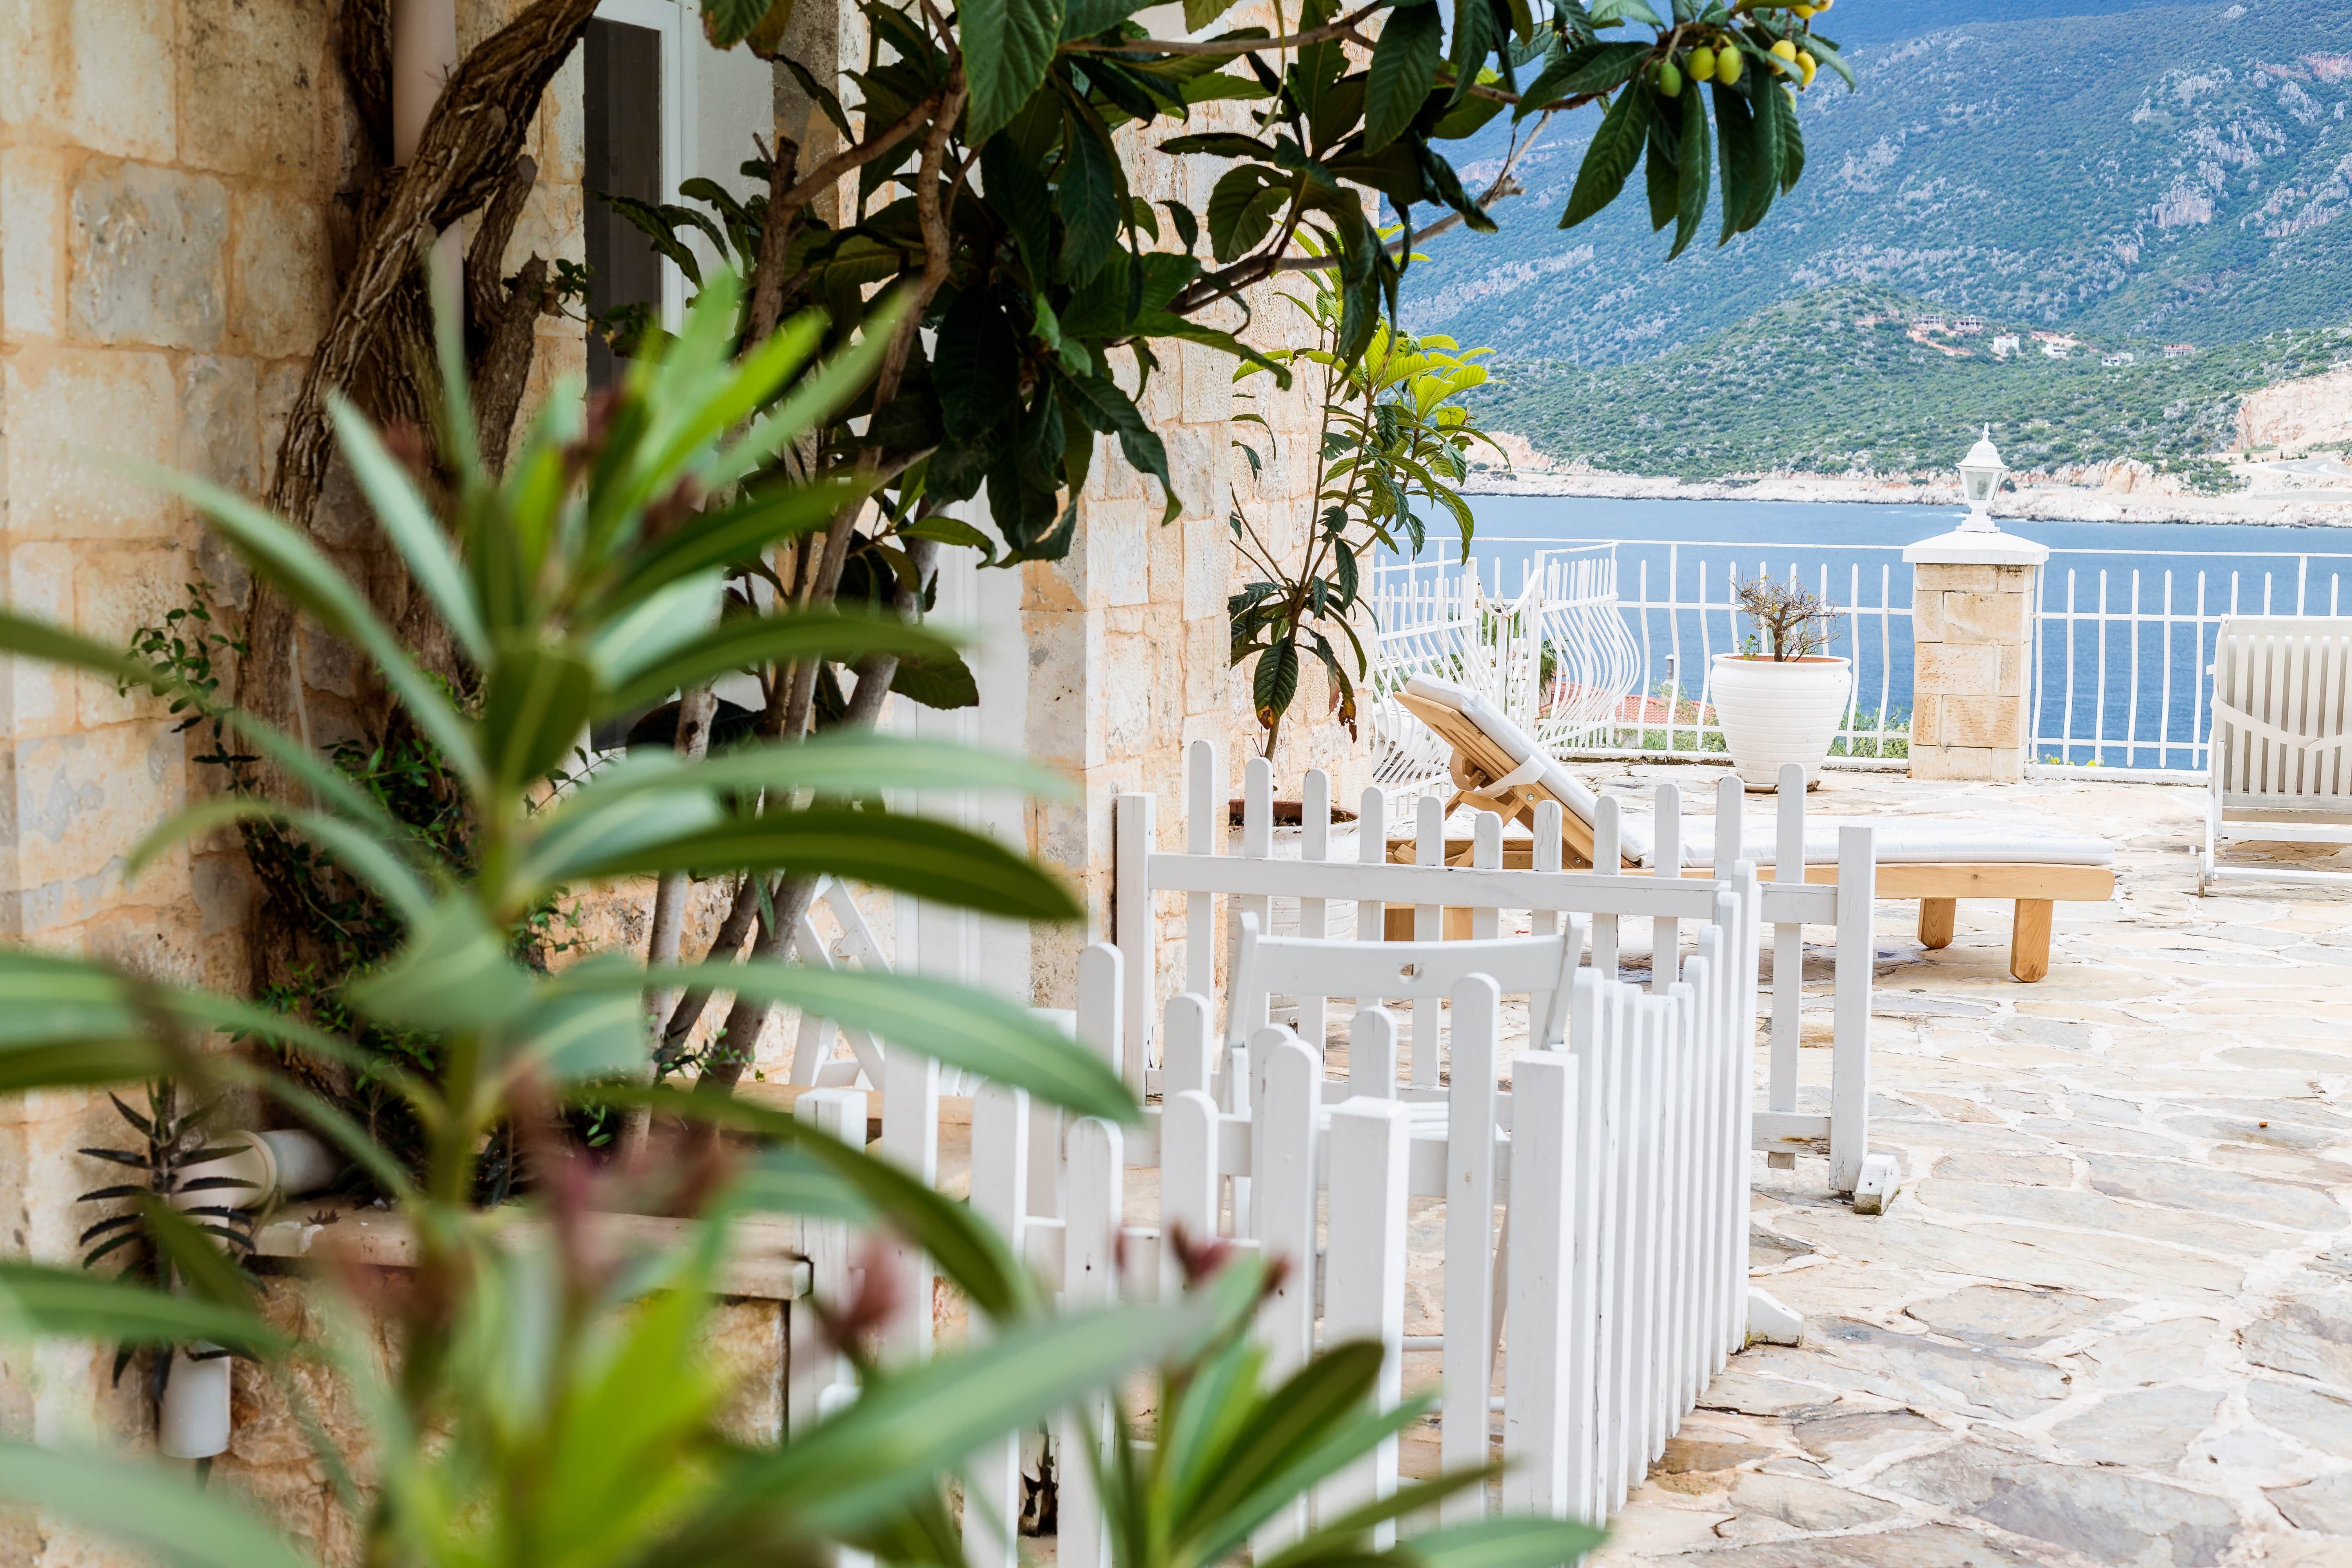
(2280, 765)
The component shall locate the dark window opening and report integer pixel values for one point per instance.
(623, 110)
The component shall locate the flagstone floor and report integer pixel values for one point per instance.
(2108, 1320)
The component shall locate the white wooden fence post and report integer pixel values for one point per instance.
(1850, 1038)
(1205, 832)
(1363, 1283)
(1468, 1358)
(1000, 1194)
(1257, 844)
(1314, 916)
(1788, 958)
(1588, 1281)
(1372, 1053)
(1747, 904)
(1101, 979)
(1095, 1194)
(911, 1138)
(1282, 1202)
(1188, 1181)
(1487, 855)
(1428, 849)
(1607, 861)
(1138, 929)
(1188, 1044)
(1665, 860)
(1546, 1435)
(838, 1113)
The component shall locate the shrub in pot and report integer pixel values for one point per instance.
(1778, 700)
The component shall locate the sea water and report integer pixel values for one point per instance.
(2129, 611)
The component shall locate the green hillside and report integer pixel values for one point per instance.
(2175, 172)
(1831, 383)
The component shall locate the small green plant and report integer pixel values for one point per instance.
(1791, 621)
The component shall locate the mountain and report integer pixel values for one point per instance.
(1856, 376)
(2175, 172)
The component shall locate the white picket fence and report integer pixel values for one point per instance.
(1314, 894)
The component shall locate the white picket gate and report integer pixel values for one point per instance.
(1315, 888)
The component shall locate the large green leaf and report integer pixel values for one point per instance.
(1404, 65)
(73, 1303)
(577, 1033)
(539, 701)
(402, 514)
(453, 972)
(1518, 1541)
(929, 860)
(656, 626)
(1007, 44)
(734, 534)
(160, 1513)
(1110, 410)
(837, 763)
(362, 853)
(1087, 196)
(976, 1030)
(744, 642)
(1616, 146)
(1696, 162)
(726, 23)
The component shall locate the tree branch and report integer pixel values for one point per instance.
(1231, 48)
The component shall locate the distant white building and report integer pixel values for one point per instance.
(2057, 348)
(1932, 324)
(2112, 360)
(2004, 344)
(2179, 351)
(1968, 326)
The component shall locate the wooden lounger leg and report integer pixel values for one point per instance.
(2029, 940)
(1936, 920)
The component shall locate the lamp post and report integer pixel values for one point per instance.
(1980, 476)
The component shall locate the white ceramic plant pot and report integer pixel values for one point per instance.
(1774, 712)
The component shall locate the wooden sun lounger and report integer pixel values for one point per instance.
(1487, 777)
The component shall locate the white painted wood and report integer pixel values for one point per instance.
(1469, 1355)
(1371, 850)
(1787, 955)
(1101, 980)
(1204, 833)
(1428, 850)
(838, 1113)
(1138, 928)
(1462, 887)
(1314, 914)
(1730, 797)
(1000, 1194)
(1363, 1283)
(1189, 1187)
(1257, 845)
(911, 1138)
(1587, 1283)
(1546, 1439)
(1607, 828)
(1283, 1204)
(1487, 855)
(1372, 1053)
(1744, 918)
(1188, 1044)
(1850, 1036)
(1667, 856)
(1097, 1193)
(2280, 766)
(1874, 1188)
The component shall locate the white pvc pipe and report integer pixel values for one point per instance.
(193, 1424)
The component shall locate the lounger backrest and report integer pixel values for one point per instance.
(1542, 968)
(1505, 736)
(2282, 707)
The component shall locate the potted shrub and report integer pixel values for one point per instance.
(1779, 698)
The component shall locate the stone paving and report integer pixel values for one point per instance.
(2108, 1320)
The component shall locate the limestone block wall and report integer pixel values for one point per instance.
(1972, 646)
(176, 190)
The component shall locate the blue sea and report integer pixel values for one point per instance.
(2129, 609)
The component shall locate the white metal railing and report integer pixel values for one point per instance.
(2124, 643)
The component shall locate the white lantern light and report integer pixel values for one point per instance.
(1980, 475)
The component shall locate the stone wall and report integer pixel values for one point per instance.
(176, 183)
(1972, 630)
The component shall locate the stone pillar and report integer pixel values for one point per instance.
(1972, 640)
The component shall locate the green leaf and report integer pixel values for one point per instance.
(414, 531)
(160, 1513)
(976, 1030)
(1242, 209)
(203, 1266)
(976, 365)
(1616, 146)
(1596, 68)
(726, 23)
(734, 535)
(1475, 34)
(1696, 168)
(1512, 1542)
(1108, 409)
(539, 700)
(578, 1034)
(941, 529)
(832, 763)
(1659, 175)
(1274, 683)
(452, 974)
(914, 855)
(1007, 45)
(1017, 193)
(362, 853)
(1736, 137)
(1088, 194)
(1403, 68)
(1199, 14)
(744, 642)
(73, 1303)
(1218, 144)
(1609, 13)
(944, 684)
(656, 626)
